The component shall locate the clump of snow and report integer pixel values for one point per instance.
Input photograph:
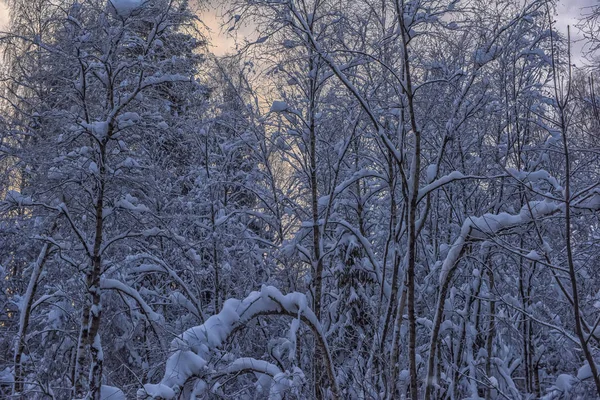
(452, 176)
(17, 198)
(585, 372)
(124, 8)
(279, 106)
(158, 79)
(564, 382)
(533, 255)
(484, 55)
(158, 391)
(131, 203)
(111, 393)
(535, 176)
(6, 376)
(97, 128)
(492, 223)
(591, 202)
(93, 168)
(129, 163)
(128, 119)
(431, 172)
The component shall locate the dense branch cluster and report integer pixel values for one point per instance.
(371, 199)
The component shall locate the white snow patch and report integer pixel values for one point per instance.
(111, 393)
(125, 7)
(585, 372)
(431, 173)
(564, 382)
(279, 106)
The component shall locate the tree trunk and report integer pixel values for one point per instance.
(25, 313)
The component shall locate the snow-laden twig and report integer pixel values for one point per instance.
(193, 349)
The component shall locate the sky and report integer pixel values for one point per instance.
(221, 41)
(3, 15)
(568, 11)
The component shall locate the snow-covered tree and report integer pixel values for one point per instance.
(403, 195)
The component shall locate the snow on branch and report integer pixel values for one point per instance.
(193, 349)
(446, 179)
(113, 284)
(490, 224)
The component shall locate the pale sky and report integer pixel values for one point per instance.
(222, 41)
(3, 15)
(568, 10)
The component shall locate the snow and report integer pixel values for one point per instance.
(453, 176)
(253, 165)
(533, 255)
(404, 375)
(6, 376)
(158, 391)
(18, 199)
(93, 168)
(157, 80)
(489, 224)
(129, 163)
(113, 284)
(97, 345)
(248, 363)
(128, 203)
(179, 299)
(151, 232)
(431, 172)
(446, 325)
(564, 382)
(535, 176)
(585, 372)
(129, 116)
(181, 366)
(484, 55)
(279, 106)
(111, 393)
(492, 223)
(192, 349)
(591, 202)
(99, 129)
(124, 8)
(425, 322)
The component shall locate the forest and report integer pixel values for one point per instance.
(366, 199)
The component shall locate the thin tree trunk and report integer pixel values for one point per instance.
(413, 193)
(395, 357)
(25, 313)
(490, 336)
(94, 289)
